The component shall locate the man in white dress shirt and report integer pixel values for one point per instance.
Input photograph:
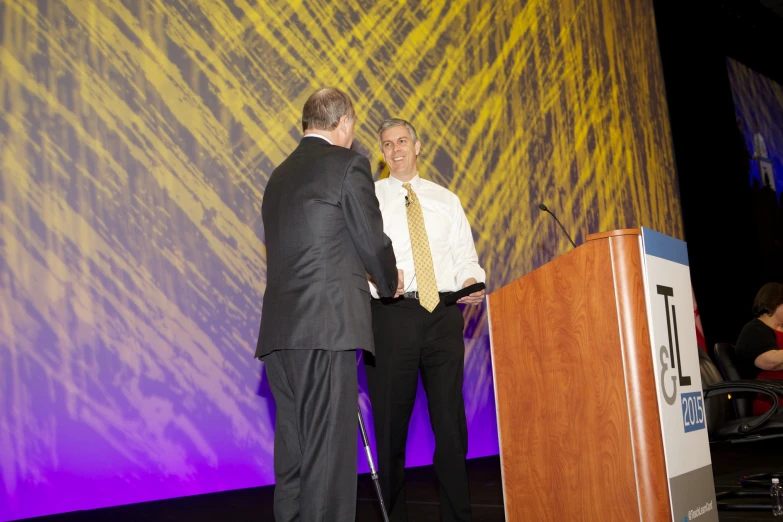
(433, 244)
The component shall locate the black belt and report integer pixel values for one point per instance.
(415, 295)
(411, 295)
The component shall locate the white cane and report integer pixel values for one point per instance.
(373, 472)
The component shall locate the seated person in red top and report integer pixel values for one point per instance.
(757, 352)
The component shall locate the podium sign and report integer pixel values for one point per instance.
(677, 378)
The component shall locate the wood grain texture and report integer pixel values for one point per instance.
(615, 233)
(563, 419)
(640, 378)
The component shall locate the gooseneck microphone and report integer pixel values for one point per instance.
(543, 207)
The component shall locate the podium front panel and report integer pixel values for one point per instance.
(564, 420)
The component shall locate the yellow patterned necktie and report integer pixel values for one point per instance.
(422, 257)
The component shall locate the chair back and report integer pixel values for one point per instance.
(715, 407)
(724, 354)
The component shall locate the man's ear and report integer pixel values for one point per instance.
(343, 123)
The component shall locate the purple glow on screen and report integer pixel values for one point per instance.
(165, 449)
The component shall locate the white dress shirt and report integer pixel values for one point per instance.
(454, 255)
(314, 135)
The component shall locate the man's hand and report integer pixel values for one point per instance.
(400, 284)
(474, 298)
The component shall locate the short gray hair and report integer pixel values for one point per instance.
(396, 122)
(324, 108)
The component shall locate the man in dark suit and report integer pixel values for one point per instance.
(324, 234)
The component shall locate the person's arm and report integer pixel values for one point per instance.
(400, 285)
(365, 225)
(755, 341)
(463, 250)
(771, 360)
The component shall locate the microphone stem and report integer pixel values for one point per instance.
(562, 228)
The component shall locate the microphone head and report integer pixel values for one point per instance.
(542, 207)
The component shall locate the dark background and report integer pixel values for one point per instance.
(725, 256)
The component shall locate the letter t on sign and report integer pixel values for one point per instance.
(668, 292)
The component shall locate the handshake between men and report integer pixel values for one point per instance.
(471, 299)
(322, 210)
(400, 284)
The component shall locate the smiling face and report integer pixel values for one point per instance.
(400, 152)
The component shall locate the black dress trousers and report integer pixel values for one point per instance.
(409, 339)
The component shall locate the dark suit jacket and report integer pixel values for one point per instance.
(324, 233)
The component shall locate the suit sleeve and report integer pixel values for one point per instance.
(365, 224)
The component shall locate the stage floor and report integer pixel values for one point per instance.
(730, 462)
(255, 504)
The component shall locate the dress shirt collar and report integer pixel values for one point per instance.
(395, 183)
(314, 135)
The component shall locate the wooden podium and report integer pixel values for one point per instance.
(578, 419)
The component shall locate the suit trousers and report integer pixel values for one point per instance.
(315, 434)
(409, 339)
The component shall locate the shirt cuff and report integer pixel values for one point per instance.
(476, 272)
